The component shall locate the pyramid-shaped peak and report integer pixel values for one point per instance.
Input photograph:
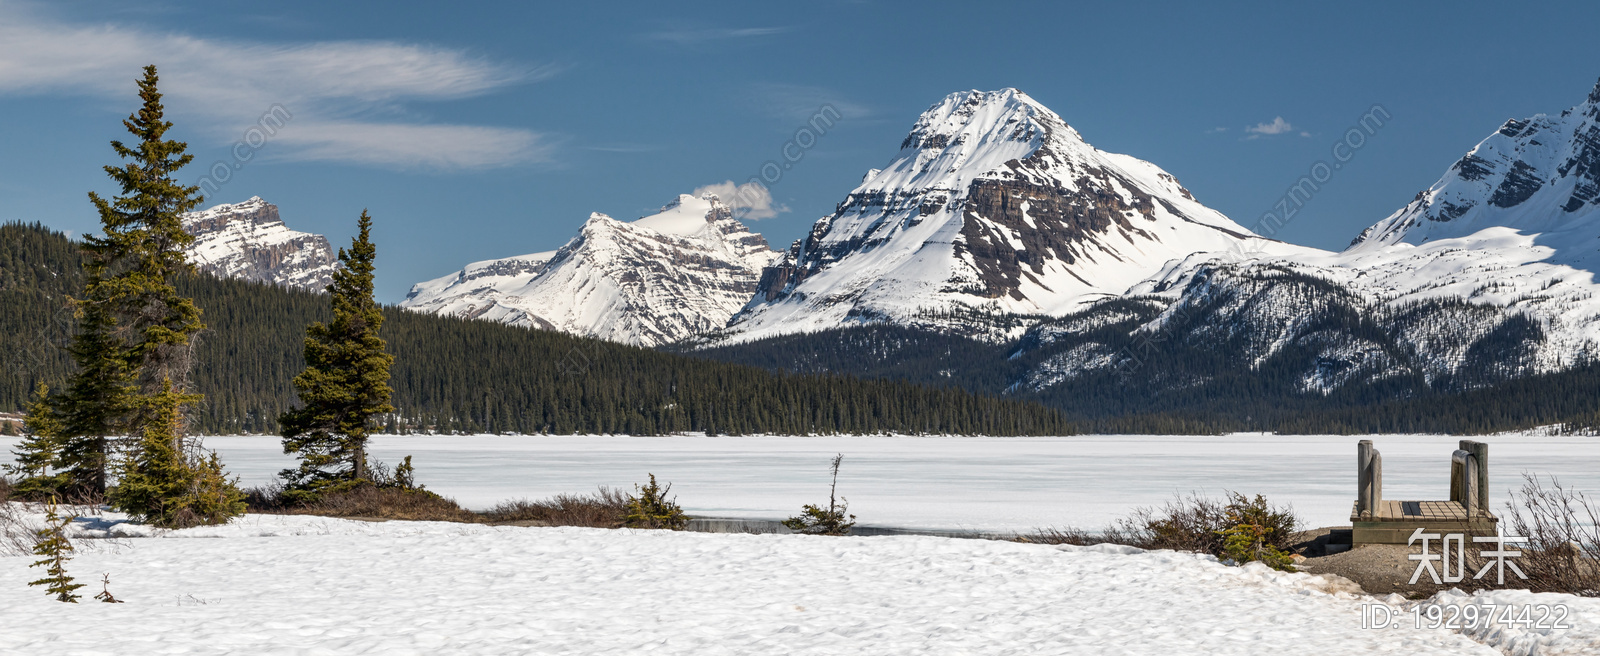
(970, 116)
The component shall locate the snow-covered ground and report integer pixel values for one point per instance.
(990, 484)
(306, 585)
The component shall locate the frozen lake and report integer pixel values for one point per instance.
(980, 483)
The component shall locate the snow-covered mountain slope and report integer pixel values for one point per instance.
(1487, 275)
(1537, 176)
(248, 241)
(676, 274)
(993, 213)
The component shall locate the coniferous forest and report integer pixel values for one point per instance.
(457, 375)
(1232, 399)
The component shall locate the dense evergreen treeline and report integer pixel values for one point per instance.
(460, 375)
(1180, 388)
(881, 351)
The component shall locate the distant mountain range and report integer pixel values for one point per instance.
(997, 223)
(666, 277)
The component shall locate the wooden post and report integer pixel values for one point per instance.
(1376, 475)
(1469, 492)
(1480, 462)
(1455, 477)
(1364, 453)
(1462, 472)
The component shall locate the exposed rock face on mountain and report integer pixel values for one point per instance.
(1486, 276)
(248, 241)
(673, 275)
(994, 214)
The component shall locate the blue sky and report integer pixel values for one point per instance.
(477, 130)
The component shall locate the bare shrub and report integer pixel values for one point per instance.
(604, 508)
(105, 590)
(17, 535)
(1068, 535)
(267, 499)
(1563, 531)
(833, 520)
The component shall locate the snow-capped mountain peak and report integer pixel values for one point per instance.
(1539, 175)
(1488, 275)
(664, 277)
(993, 210)
(248, 241)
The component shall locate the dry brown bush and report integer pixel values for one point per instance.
(1563, 532)
(365, 502)
(604, 508)
(391, 503)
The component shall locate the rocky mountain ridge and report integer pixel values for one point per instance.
(249, 241)
(662, 278)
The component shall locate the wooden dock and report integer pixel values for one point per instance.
(1376, 520)
(1396, 520)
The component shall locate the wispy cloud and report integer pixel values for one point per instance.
(698, 35)
(438, 147)
(332, 87)
(750, 200)
(794, 102)
(1216, 130)
(1277, 126)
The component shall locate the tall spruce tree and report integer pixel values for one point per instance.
(345, 385)
(134, 342)
(133, 265)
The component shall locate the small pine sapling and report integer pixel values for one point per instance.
(833, 520)
(1254, 531)
(212, 498)
(170, 484)
(54, 550)
(37, 457)
(651, 508)
(105, 590)
(405, 476)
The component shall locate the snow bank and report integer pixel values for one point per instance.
(307, 585)
(1520, 638)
